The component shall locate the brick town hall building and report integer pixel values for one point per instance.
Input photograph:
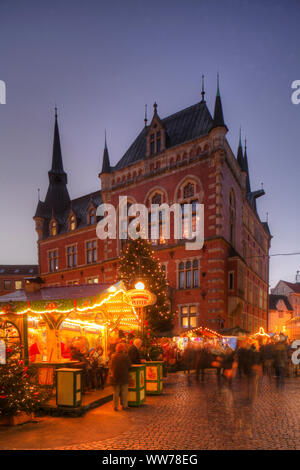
(183, 158)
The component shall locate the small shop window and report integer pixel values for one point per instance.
(7, 285)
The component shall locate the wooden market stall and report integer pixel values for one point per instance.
(197, 335)
(49, 321)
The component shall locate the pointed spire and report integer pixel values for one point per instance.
(240, 157)
(57, 198)
(155, 108)
(145, 119)
(105, 160)
(218, 113)
(57, 164)
(246, 168)
(203, 92)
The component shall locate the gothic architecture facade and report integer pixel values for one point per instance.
(183, 158)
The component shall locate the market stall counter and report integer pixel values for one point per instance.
(136, 386)
(154, 377)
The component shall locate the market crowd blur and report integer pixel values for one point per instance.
(252, 358)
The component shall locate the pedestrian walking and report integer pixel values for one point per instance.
(280, 363)
(119, 373)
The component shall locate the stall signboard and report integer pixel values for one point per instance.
(136, 386)
(154, 377)
(141, 298)
(2, 352)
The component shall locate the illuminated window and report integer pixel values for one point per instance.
(53, 228)
(72, 222)
(188, 315)
(18, 285)
(93, 280)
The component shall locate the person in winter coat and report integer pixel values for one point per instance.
(134, 351)
(119, 373)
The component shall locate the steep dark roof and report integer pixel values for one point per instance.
(180, 127)
(266, 225)
(295, 286)
(78, 206)
(18, 269)
(274, 298)
(240, 157)
(57, 198)
(246, 169)
(105, 161)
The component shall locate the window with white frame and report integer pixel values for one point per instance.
(53, 260)
(91, 251)
(188, 316)
(72, 256)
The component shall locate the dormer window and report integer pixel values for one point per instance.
(156, 136)
(53, 228)
(152, 144)
(72, 222)
(155, 143)
(92, 217)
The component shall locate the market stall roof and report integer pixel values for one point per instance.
(55, 293)
(202, 331)
(235, 331)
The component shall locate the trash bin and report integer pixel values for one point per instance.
(68, 387)
(136, 386)
(154, 377)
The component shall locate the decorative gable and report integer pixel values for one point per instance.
(156, 135)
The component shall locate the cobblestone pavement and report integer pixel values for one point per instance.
(188, 416)
(204, 416)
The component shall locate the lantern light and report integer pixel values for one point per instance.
(140, 286)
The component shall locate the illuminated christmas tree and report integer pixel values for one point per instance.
(139, 263)
(17, 393)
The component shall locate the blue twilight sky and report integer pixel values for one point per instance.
(101, 61)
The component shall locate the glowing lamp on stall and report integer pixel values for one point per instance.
(140, 286)
(112, 289)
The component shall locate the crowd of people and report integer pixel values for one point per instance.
(250, 359)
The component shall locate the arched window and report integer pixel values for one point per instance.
(188, 274)
(181, 275)
(188, 190)
(195, 273)
(157, 199)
